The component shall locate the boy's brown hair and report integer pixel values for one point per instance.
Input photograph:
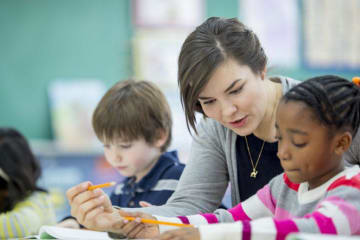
(131, 110)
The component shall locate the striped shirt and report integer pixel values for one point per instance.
(27, 217)
(282, 207)
(156, 187)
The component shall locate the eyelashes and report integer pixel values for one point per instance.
(234, 92)
(298, 145)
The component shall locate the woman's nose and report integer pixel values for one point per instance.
(228, 109)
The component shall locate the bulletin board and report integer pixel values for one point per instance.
(331, 35)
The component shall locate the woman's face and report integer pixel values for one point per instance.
(235, 97)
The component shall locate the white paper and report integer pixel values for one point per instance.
(70, 233)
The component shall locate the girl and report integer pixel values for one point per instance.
(315, 124)
(24, 207)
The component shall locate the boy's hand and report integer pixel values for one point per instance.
(137, 229)
(185, 233)
(93, 208)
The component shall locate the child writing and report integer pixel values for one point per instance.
(24, 207)
(133, 121)
(315, 123)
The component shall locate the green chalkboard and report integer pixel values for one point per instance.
(41, 40)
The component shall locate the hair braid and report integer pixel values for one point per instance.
(335, 100)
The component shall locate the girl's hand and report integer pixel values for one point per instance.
(137, 229)
(185, 233)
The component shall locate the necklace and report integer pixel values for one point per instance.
(254, 171)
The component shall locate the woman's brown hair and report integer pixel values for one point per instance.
(206, 48)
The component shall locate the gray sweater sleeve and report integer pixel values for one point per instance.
(352, 156)
(205, 177)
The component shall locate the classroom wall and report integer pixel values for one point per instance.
(42, 40)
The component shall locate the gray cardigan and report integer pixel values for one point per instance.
(211, 165)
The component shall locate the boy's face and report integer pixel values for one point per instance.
(135, 158)
(305, 148)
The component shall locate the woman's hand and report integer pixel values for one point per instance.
(185, 233)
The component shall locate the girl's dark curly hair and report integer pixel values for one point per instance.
(20, 169)
(335, 100)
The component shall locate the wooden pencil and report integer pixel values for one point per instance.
(152, 221)
(104, 185)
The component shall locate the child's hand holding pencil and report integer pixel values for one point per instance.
(104, 185)
(142, 225)
(90, 205)
(143, 220)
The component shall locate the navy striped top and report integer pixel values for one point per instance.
(156, 187)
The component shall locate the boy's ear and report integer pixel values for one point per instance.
(162, 138)
(343, 142)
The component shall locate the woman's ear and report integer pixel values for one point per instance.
(163, 136)
(343, 142)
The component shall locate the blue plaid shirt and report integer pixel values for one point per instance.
(156, 187)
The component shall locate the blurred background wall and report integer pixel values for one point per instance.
(67, 42)
(42, 40)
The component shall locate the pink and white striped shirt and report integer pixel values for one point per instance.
(282, 207)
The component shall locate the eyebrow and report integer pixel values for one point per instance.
(232, 85)
(226, 90)
(294, 131)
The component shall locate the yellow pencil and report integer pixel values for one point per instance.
(104, 185)
(151, 221)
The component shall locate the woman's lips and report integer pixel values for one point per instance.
(239, 123)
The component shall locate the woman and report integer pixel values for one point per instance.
(222, 74)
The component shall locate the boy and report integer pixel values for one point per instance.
(133, 121)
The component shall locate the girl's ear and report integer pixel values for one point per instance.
(163, 137)
(343, 142)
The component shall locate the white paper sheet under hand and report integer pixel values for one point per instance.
(69, 233)
(52, 232)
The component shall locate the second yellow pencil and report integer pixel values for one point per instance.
(152, 221)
